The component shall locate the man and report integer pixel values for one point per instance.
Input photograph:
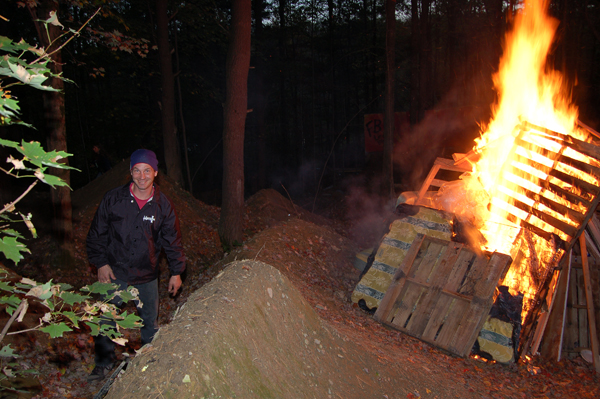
(131, 226)
(101, 161)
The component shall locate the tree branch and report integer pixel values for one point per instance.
(12, 204)
(22, 307)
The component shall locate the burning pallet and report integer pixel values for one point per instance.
(548, 188)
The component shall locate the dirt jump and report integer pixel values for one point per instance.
(250, 334)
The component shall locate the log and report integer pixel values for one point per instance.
(551, 345)
(589, 297)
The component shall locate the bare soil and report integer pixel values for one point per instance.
(270, 319)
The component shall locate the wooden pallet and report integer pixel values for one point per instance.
(442, 293)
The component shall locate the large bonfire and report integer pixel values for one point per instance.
(529, 94)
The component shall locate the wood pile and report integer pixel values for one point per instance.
(562, 319)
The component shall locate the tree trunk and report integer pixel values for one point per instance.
(414, 63)
(167, 110)
(54, 119)
(236, 103)
(425, 61)
(260, 97)
(388, 115)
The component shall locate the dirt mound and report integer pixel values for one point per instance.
(248, 334)
(269, 207)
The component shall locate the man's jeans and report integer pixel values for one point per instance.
(148, 294)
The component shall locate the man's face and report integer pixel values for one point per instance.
(143, 175)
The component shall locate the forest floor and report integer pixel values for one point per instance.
(324, 345)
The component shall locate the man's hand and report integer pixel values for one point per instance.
(174, 284)
(105, 274)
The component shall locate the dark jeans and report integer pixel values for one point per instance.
(148, 294)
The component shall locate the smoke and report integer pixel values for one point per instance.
(444, 131)
(367, 211)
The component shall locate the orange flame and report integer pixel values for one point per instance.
(527, 90)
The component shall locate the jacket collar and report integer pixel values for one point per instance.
(124, 191)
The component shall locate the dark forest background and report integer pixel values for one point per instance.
(317, 68)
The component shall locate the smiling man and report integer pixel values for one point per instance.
(133, 223)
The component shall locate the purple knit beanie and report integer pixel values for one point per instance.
(144, 156)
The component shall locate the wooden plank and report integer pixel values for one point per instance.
(593, 228)
(591, 245)
(589, 129)
(564, 309)
(461, 267)
(443, 309)
(571, 337)
(430, 180)
(554, 156)
(540, 198)
(550, 347)
(423, 312)
(589, 297)
(546, 185)
(451, 325)
(545, 217)
(407, 304)
(398, 281)
(473, 277)
(543, 319)
(480, 305)
(581, 311)
(582, 190)
(585, 148)
(450, 164)
(534, 229)
(427, 182)
(433, 252)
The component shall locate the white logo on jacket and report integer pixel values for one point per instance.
(151, 219)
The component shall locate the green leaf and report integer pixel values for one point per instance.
(43, 291)
(12, 249)
(94, 327)
(130, 320)
(73, 317)
(12, 233)
(9, 143)
(52, 180)
(12, 303)
(126, 296)
(6, 286)
(56, 330)
(99, 288)
(8, 45)
(38, 156)
(49, 302)
(64, 286)
(7, 351)
(71, 298)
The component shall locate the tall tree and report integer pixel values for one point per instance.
(234, 115)
(388, 115)
(414, 63)
(54, 120)
(167, 110)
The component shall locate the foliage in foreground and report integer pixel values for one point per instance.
(67, 309)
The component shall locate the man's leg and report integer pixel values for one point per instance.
(148, 293)
(104, 347)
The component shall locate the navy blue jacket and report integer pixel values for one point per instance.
(130, 239)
